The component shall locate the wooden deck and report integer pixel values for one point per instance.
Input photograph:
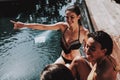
(105, 15)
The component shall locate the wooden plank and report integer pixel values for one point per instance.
(105, 15)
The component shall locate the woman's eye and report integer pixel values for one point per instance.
(67, 17)
(92, 49)
(72, 17)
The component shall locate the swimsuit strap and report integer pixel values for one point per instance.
(64, 37)
(79, 33)
(66, 60)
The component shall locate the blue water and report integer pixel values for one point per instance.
(25, 52)
(22, 57)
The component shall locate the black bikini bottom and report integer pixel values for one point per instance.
(66, 60)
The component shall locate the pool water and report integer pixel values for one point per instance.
(25, 52)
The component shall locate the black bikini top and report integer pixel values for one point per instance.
(72, 46)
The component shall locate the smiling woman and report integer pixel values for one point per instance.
(20, 58)
(98, 63)
(73, 33)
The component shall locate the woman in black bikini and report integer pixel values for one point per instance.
(73, 33)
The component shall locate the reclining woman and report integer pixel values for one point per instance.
(73, 33)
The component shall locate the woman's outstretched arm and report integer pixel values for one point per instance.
(56, 26)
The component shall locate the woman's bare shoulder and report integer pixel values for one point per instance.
(79, 59)
(63, 25)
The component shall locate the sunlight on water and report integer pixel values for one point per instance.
(42, 37)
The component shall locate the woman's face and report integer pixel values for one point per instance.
(72, 18)
(93, 50)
